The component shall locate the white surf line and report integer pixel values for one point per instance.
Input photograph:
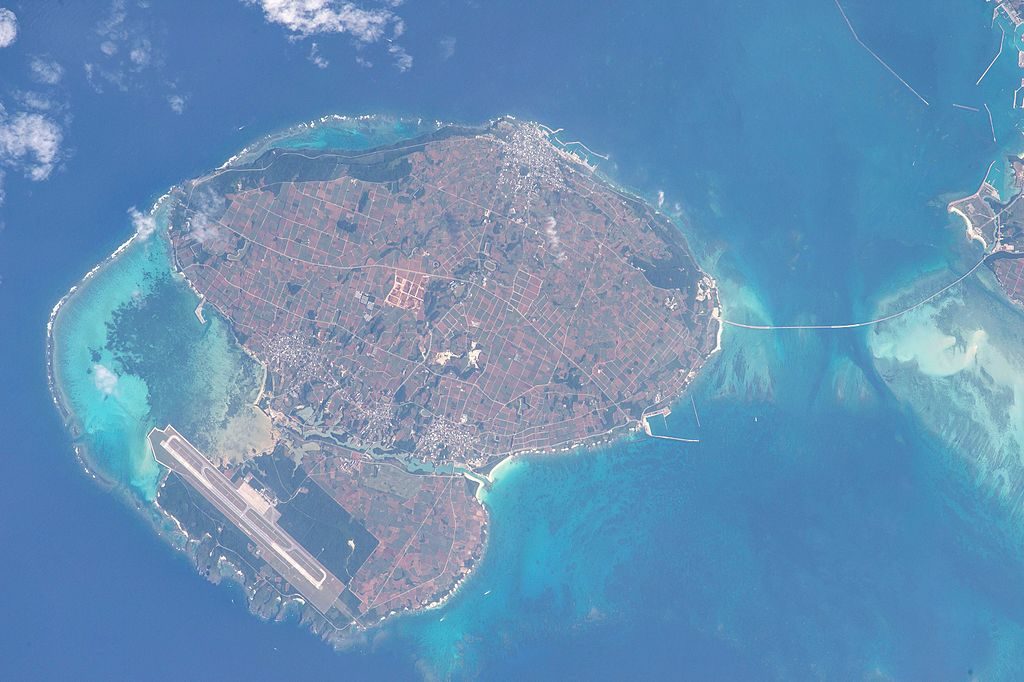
(991, 125)
(693, 402)
(1002, 39)
(964, 106)
(891, 316)
(879, 59)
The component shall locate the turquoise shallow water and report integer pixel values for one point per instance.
(856, 553)
(129, 353)
(643, 541)
(827, 526)
(353, 133)
(111, 411)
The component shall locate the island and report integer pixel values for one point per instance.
(992, 215)
(419, 311)
(948, 344)
(998, 226)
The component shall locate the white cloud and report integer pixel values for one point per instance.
(35, 100)
(30, 142)
(204, 209)
(365, 24)
(142, 53)
(8, 27)
(202, 230)
(46, 71)
(403, 60)
(113, 26)
(309, 17)
(447, 48)
(317, 58)
(177, 103)
(32, 126)
(104, 379)
(126, 50)
(144, 223)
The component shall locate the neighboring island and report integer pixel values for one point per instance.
(949, 347)
(997, 224)
(421, 310)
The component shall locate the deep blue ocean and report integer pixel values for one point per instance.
(820, 530)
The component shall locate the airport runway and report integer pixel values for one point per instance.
(314, 582)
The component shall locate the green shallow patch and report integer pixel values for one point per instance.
(129, 353)
(345, 133)
(957, 362)
(108, 408)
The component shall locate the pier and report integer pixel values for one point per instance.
(1002, 39)
(881, 61)
(663, 412)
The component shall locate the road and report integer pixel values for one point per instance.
(314, 582)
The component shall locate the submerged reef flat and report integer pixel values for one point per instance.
(958, 362)
(957, 359)
(311, 363)
(128, 352)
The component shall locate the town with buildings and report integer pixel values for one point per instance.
(425, 310)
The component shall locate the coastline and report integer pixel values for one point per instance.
(53, 370)
(972, 233)
(1001, 12)
(576, 163)
(180, 539)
